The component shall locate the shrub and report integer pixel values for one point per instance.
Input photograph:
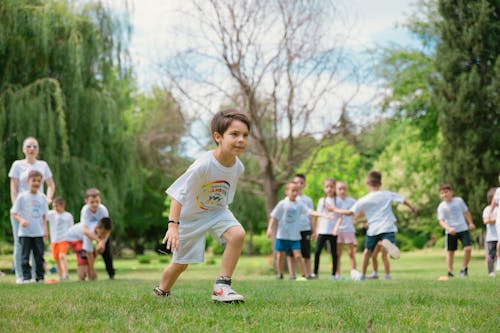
(144, 259)
(164, 259)
(404, 242)
(441, 241)
(7, 249)
(261, 244)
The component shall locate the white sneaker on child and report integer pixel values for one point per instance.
(391, 248)
(372, 276)
(224, 293)
(356, 275)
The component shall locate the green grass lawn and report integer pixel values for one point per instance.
(413, 301)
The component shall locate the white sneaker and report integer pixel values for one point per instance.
(224, 293)
(391, 248)
(372, 276)
(356, 275)
(492, 274)
(19, 281)
(387, 276)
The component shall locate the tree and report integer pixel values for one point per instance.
(467, 96)
(65, 79)
(277, 60)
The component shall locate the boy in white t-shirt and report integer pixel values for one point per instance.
(30, 211)
(452, 215)
(200, 199)
(491, 241)
(59, 223)
(376, 206)
(287, 215)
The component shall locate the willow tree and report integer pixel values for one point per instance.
(64, 79)
(467, 96)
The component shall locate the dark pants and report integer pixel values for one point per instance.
(320, 244)
(36, 245)
(107, 256)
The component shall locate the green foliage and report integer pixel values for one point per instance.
(467, 96)
(65, 80)
(260, 244)
(144, 259)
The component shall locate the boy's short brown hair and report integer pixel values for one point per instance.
(34, 173)
(92, 192)
(445, 187)
(59, 201)
(374, 178)
(223, 119)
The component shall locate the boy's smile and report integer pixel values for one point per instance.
(235, 138)
(35, 183)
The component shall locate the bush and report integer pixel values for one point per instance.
(261, 244)
(144, 259)
(164, 259)
(6, 249)
(404, 243)
(440, 243)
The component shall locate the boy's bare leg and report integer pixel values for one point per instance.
(290, 264)
(170, 274)
(351, 251)
(307, 265)
(64, 265)
(59, 268)
(385, 260)
(92, 275)
(279, 258)
(374, 258)
(82, 272)
(298, 257)
(235, 237)
(366, 259)
(449, 260)
(467, 255)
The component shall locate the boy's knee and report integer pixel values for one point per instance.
(468, 248)
(179, 267)
(236, 234)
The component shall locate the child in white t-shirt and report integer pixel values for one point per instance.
(287, 215)
(376, 206)
(200, 199)
(495, 202)
(452, 215)
(59, 223)
(491, 241)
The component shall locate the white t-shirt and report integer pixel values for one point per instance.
(90, 219)
(305, 220)
(59, 225)
(20, 170)
(347, 225)
(31, 207)
(75, 233)
(325, 226)
(491, 230)
(206, 187)
(453, 214)
(378, 211)
(288, 214)
(496, 197)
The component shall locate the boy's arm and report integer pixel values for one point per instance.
(45, 229)
(468, 217)
(443, 225)
(409, 205)
(19, 219)
(344, 211)
(89, 234)
(319, 214)
(270, 227)
(172, 235)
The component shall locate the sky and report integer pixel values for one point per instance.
(374, 22)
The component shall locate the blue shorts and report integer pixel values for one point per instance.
(283, 245)
(372, 241)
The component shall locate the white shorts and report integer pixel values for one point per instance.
(192, 235)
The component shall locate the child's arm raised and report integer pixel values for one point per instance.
(172, 235)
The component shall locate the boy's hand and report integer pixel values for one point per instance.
(100, 247)
(314, 235)
(172, 237)
(269, 233)
(451, 231)
(413, 209)
(24, 223)
(335, 231)
(472, 226)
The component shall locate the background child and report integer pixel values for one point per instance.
(59, 222)
(30, 210)
(325, 226)
(491, 241)
(495, 202)
(344, 229)
(91, 213)
(306, 226)
(376, 206)
(286, 215)
(200, 199)
(452, 213)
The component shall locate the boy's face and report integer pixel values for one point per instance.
(341, 189)
(93, 203)
(235, 138)
(34, 183)
(101, 232)
(446, 195)
(301, 183)
(59, 207)
(292, 190)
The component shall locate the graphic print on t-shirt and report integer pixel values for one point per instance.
(35, 209)
(213, 195)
